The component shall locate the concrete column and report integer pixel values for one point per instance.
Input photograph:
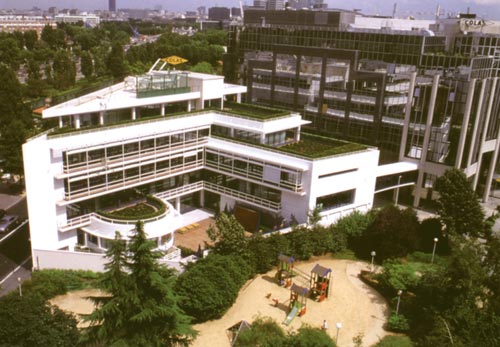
(297, 134)
(483, 135)
(60, 122)
(465, 122)
(406, 124)
(475, 130)
(427, 136)
(238, 98)
(101, 118)
(202, 198)
(178, 204)
(491, 170)
(162, 112)
(134, 115)
(189, 106)
(222, 103)
(263, 139)
(77, 121)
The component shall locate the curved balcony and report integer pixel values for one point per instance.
(159, 224)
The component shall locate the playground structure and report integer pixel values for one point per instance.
(285, 270)
(320, 280)
(298, 302)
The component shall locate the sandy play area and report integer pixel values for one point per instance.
(357, 306)
(76, 302)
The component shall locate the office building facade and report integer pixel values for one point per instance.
(425, 97)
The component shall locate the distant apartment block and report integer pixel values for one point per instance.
(87, 19)
(10, 24)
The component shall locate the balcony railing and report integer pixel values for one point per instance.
(85, 220)
(250, 199)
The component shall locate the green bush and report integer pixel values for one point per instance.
(397, 275)
(395, 341)
(398, 323)
(210, 286)
(50, 283)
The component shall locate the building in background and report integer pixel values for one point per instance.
(219, 13)
(424, 93)
(112, 5)
(10, 24)
(87, 19)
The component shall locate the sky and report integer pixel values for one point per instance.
(488, 9)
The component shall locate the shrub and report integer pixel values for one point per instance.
(211, 285)
(398, 323)
(395, 341)
(50, 283)
(397, 275)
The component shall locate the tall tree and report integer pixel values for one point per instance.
(143, 309)
(64, 70)
(87, 65)
(116, 61)
(459, 208)
(228, 235)
(30, 39)
(392, 234)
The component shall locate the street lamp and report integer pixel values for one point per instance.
(19, 285)
(338, 326)
(373, 254)
(434, 249)
(399, 300)
(396, 195)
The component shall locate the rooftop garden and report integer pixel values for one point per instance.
(313, 146)
(242, 110)
(252, 111)
(144, 209)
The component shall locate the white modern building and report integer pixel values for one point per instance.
(157, 146)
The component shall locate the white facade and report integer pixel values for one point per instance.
(216, 158)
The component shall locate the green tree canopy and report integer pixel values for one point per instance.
(393, 233)
(87, 64)
(142, 310)
(228, 235)
(64, 70)
(28, 321)
(203, 67)
(459, 208)
(264, 332)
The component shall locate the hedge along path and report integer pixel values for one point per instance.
(357, 306)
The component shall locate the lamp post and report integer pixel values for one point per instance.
(19, 285)
(399, 300)
(338, 326)
(373, 254)
(396, 195)
(434, 249)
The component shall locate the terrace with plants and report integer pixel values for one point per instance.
(145, 208)
(309, 147)
(248, 111)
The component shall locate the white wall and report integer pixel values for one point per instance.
(41, 197)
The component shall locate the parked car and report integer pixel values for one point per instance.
(7, 222)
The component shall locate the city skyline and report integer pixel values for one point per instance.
(484, 8)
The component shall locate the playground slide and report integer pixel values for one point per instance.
(291, 315)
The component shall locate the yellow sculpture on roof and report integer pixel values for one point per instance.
(174, 60)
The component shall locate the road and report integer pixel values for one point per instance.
(15, 251)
